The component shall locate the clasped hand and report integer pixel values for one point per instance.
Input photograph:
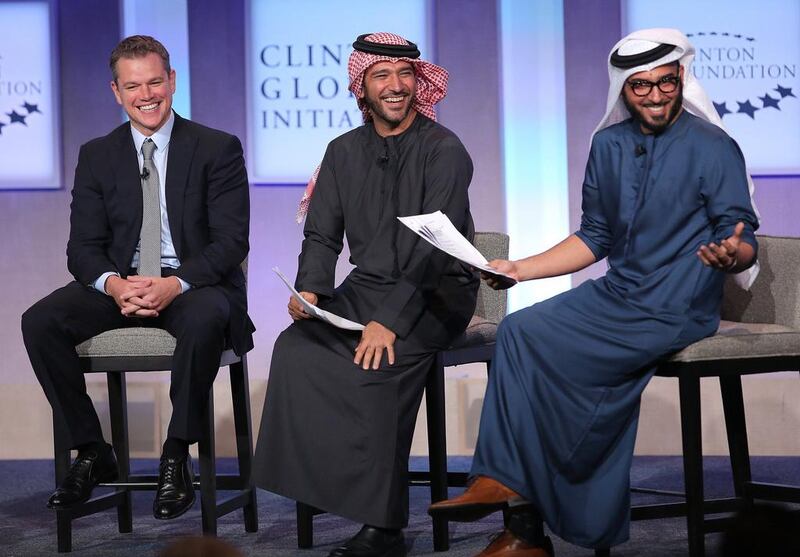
(142, 296)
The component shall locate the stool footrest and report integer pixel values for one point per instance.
(95, 505)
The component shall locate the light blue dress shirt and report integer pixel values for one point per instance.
(168, 256)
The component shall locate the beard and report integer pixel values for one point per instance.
(390, 118)
(656, 125)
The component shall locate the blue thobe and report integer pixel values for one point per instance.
(561, 409)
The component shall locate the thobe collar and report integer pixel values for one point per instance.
(394, 144)
(405, 133)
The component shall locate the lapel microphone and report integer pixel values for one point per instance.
(640, 150)
(145, 173)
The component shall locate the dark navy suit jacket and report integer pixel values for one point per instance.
(208, 205)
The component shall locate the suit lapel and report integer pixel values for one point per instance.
(181, 149)
(125, 166)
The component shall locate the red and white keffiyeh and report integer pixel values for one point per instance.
(431, 88)
(431, 79)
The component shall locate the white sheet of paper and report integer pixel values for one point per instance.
(320, 314)
(436, 229)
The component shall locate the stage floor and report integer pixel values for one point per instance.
(28, 528)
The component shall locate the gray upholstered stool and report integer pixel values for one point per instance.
(760, 334)
(148, 349)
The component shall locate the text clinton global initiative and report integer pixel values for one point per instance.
(305, 86)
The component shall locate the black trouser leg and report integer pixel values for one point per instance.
(198, 320)
(51, 329)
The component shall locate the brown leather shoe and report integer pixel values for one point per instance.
(508, 545)
(483, 497)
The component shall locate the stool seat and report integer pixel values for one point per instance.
(736, 341)
(129, 342)
(479, 331)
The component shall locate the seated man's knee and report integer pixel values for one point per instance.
(206, 321)
(37, 320)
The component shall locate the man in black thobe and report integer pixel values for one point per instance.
(341, 405)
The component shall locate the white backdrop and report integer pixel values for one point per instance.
(297, 76)
(29, 154)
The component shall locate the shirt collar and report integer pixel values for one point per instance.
(160, 137)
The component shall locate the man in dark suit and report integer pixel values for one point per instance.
(158, 229)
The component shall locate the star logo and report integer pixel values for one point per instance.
(16, 117)
(784, 91)
(769, 101)
(747, 108)
(721, 108)
(19, 116)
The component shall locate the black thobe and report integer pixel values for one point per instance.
(333, 435)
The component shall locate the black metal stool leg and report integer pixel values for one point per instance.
(208, 471)
(118, 411)
(64, 532)
(689, 386)
(437, 449)
(62, 462)
(240, 392)
(305, 525)
(736, 427)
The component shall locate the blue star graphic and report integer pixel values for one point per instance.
(16, 117)
(2, 125)
(747, 108)
(785, 91)
(769, 101)
(722, 110)
(31, 108)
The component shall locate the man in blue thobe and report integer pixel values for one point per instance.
(666, 200)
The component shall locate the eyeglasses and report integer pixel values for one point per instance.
(642, 87)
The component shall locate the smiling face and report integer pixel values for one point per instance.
(657, 110)
(144, 88)
(389, 89)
